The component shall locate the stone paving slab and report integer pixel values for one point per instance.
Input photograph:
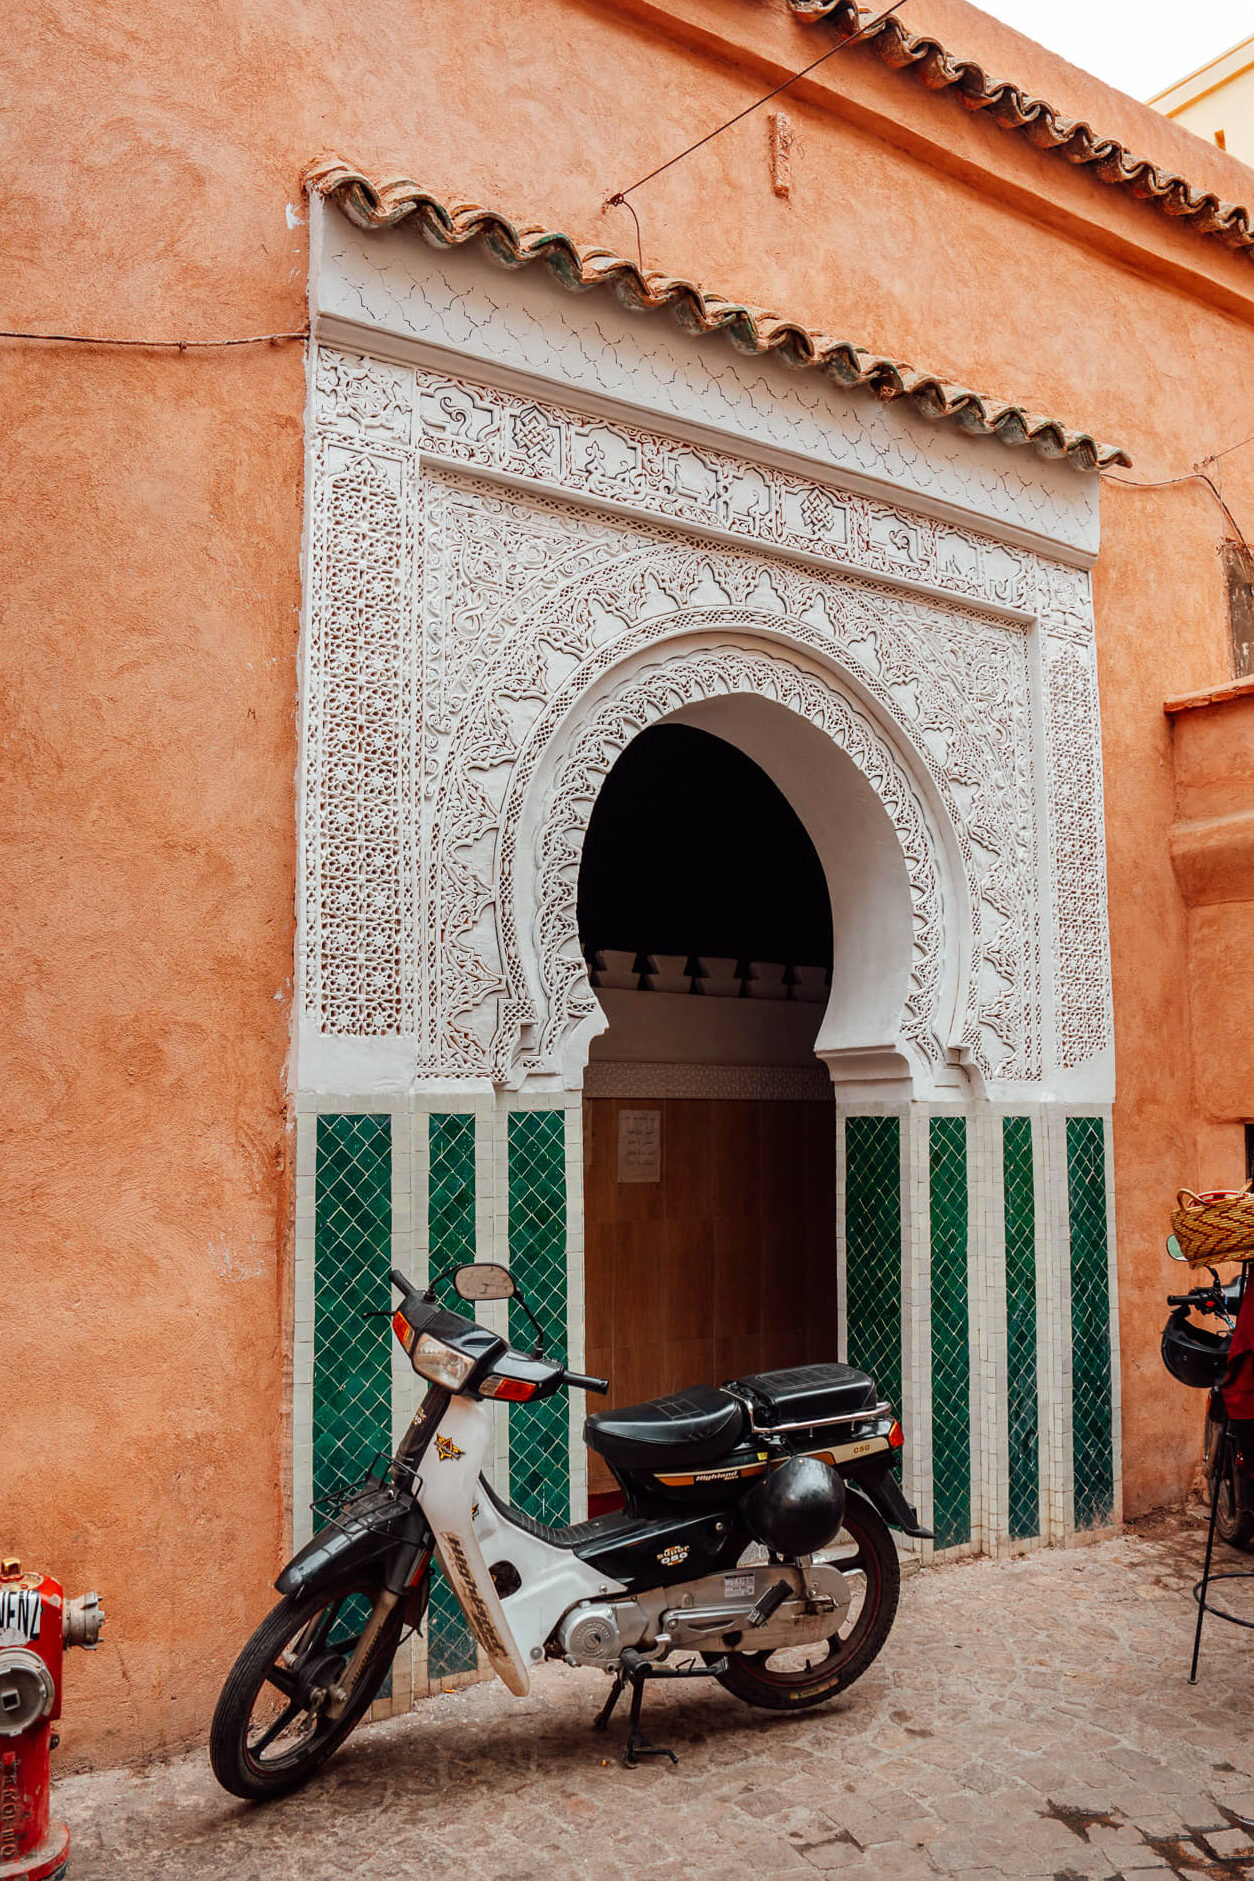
(1028, 1718)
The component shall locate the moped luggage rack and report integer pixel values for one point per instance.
(865, 1415)
(333, 1503)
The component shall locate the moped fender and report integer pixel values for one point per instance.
(369, 1527)
(449, 1492)
(880, 1487)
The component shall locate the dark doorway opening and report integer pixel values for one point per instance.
(709, 1126)
(691, 849)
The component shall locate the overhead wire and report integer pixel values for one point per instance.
(182, 346)
(1200, 473)
(619, 199)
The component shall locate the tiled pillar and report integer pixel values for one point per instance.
(986, 1270)
(950, 1343)
(352, 1362)
(451, 1237)
(1092, 1408)
(1053, 1308)
(872, 1249)
(539, 1436)
(1022, 1406)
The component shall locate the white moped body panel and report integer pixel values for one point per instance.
(465, 1524)
(553, 1579)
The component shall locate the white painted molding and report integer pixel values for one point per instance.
(484, 566)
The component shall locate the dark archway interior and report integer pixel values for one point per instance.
(723, 1261)
(691, 849)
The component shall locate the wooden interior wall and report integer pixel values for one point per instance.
(726, 1264)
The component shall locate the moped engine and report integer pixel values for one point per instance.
(595, 1632)
(757, 1609)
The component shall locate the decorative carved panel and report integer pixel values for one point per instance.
(481, 563)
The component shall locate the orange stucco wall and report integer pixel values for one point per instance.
(1212, 849)
(151, 589)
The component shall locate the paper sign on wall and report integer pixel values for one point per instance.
(640, 1146)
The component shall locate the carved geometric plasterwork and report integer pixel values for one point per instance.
(524, 323)
(501, 589)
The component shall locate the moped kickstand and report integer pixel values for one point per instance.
(634, 1669)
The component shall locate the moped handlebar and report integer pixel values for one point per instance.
(581, 1382)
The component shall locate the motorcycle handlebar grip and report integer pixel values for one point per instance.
(399, 1280)
(583, 1383)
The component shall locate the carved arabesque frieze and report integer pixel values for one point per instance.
(1077, 849)
(465, 305)
(450, 616)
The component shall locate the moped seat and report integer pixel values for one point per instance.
(697, 1425)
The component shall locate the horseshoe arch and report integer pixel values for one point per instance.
(900, 905)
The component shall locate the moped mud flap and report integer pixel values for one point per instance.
(880, 1487)
(449, 1491)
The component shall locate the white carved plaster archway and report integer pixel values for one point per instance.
(471, 607)
(898, 1004)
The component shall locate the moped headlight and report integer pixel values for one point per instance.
(439, 1362)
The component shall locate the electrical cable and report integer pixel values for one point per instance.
(182, 346)
(1194, 476)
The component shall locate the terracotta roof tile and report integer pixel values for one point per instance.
(381, 205)
(1012, 109)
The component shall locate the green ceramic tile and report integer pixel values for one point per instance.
(352, 1382)
(1022, 1411)
(539, 1442)
(1092, 1433)
(450, 1642)
(451, 1190)
(873, 1249)
(951, 1357)
(450, 1240)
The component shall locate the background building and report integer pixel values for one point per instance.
(1217, 101)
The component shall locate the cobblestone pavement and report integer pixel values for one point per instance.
(1027, 1718)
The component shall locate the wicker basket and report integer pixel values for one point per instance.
(1217, 1226)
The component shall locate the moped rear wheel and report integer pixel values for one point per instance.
(272, 1729)
(800, 1676)
(1229, 1485)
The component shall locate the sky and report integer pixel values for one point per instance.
(1141, 46)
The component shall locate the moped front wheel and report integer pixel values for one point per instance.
(797, 1677)
(274, 1724)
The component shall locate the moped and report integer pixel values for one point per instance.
(754, 1538)
(1198, 1356)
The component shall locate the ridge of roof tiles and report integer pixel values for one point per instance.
(751, 329)
(1013, 109)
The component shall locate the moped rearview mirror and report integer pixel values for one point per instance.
(484, 1280)
(1174, 1248)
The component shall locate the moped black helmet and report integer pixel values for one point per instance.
(796, 1508)
(1192, 1354)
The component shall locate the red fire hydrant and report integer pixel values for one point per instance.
(37, 1623)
